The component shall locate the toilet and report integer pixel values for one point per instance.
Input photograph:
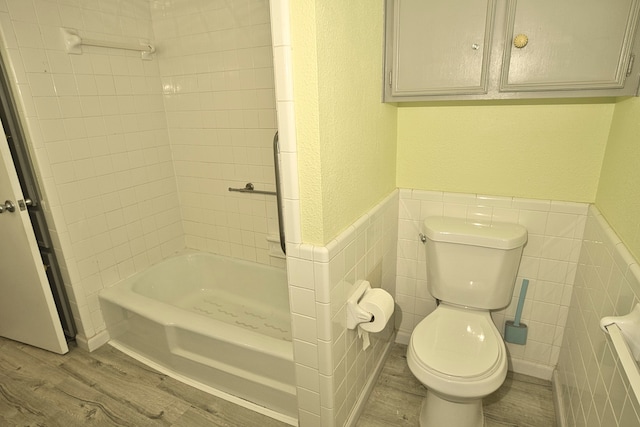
(457, 352)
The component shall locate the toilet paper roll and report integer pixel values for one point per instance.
(380, 304)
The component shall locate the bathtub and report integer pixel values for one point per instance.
(220, 324)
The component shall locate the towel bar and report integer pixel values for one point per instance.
(629, 365)
(623, 331)
(73, 43)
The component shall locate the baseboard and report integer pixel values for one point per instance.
(368, 387)
(93, 343)
(403, 337)
(558, 400)
(543, 372)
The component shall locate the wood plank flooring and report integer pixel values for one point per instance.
(108, 388)
(522, 401)
(104, 388)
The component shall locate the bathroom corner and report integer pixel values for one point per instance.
(335, 373)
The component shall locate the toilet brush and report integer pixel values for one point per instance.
(514, 331)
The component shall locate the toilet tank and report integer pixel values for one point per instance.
(472, 265)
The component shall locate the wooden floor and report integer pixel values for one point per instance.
(108, 388)
(522, 401)
(103, 388)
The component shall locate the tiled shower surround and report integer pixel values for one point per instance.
(549, 262)
(216, 67)
(591, 384)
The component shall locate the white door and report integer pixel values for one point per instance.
(27, 310)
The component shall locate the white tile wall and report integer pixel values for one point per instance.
(593, 388)
(332, 366)
(549, 262)
(97, 129)
(216, 65)
(97, 124)
(281, 39)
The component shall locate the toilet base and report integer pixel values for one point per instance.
(438, 412)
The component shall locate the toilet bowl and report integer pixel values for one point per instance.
(461, 358)
(456, 351)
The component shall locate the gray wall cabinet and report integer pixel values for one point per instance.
(510, 49)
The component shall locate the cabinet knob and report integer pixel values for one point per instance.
(520, 41)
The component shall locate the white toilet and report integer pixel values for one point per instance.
(456, 351)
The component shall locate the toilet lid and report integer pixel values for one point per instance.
(456, 342)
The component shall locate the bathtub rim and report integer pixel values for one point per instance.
(123, 295)
(140, 285)
(168, 315)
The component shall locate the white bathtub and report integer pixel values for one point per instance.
(223, 324)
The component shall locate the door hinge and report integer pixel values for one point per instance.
(632, 58)
(390, 78)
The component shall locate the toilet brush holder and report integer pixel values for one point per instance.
(514, 331)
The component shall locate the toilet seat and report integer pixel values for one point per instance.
(458, 353)
(457, 342)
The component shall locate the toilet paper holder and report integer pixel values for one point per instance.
(355, 313)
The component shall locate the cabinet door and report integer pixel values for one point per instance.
(567, 44)
(439, 46)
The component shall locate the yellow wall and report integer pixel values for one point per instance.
(353, 150)
(346, 137)
(305, 80)
(618, 197)
(543, 151)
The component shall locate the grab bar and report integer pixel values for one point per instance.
(276, 162)
(249, 188)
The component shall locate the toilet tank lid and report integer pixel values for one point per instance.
(499, 235)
